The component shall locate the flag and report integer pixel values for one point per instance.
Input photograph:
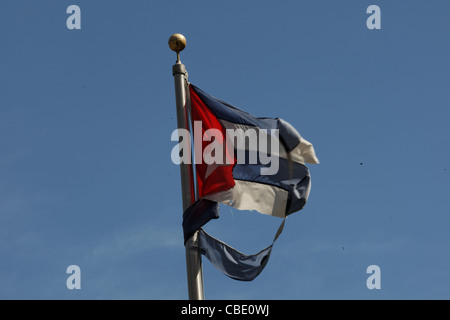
(248, 163)
(240, 184)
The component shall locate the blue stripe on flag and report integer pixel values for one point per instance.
(197, 215)
(224, 111)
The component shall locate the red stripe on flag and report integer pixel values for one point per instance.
(216, 177)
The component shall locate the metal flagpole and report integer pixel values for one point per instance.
(177, 43)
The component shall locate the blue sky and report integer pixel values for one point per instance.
(86, 117)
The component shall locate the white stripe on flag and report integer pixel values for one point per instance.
(303, 152)
(247, 195)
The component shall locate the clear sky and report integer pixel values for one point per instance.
(86, 116)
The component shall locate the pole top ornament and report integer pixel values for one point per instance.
(177, 42)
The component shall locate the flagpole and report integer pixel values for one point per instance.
(177, 43)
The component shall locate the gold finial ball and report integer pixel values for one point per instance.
(177, 42)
